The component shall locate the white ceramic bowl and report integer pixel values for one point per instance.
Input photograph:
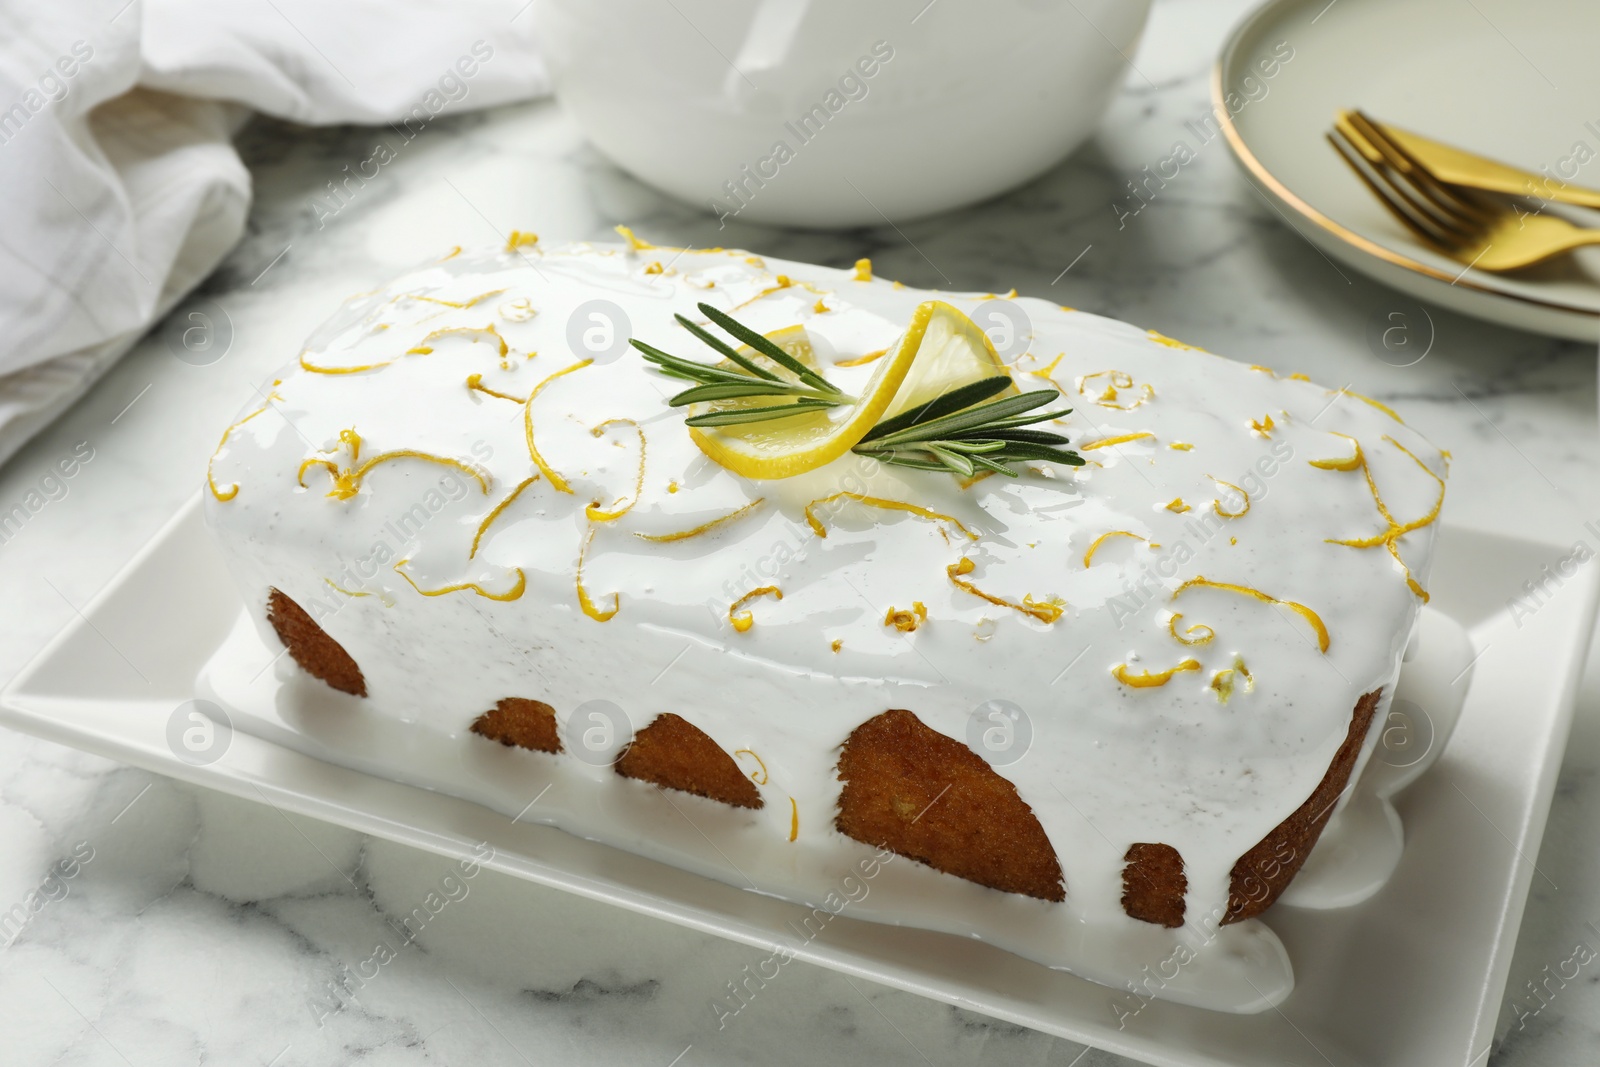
(837, 112)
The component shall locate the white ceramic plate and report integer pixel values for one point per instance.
(1510, 79)
(1412, 976)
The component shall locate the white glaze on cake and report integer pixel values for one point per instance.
(1109, 764)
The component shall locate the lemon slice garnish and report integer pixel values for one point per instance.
(954, 352)
(941, 350)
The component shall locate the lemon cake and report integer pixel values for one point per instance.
(1096, 622)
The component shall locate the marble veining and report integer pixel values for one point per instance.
(204, 929)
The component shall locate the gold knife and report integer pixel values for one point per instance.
(1458, 167)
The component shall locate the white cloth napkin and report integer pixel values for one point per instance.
(119, 185)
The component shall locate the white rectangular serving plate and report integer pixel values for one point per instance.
(1414, 976)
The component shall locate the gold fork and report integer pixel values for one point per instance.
(1471, 229)
(1457, 166)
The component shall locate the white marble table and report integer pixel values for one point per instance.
(209, 930)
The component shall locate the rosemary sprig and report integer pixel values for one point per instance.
(962, 430)
(766, 348)
(807, 389)
(965, 432)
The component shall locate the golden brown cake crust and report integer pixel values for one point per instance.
(318, 654)
(907, 788)
(522, 723)
(928, 797)
(1153, 884)
(1265, 871)
(673, 753)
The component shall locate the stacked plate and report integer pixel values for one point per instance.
(1512, 81)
